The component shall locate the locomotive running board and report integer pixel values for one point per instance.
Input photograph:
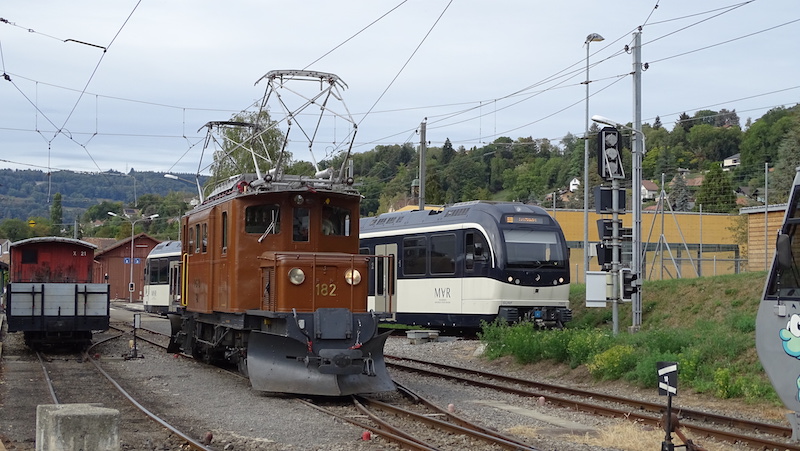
(273, 366)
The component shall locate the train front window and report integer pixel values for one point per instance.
(300, 224)
(786, 282)
(335, 221)
(264, 219)
(536, 248)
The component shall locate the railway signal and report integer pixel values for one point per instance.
(609, 158)
(628, 284)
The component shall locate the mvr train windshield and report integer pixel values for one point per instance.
(534, 248)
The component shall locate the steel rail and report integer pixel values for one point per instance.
(447, 426)
(595, 409)
(685, 414)
(191, 441)
(459, 420)
(47, 379)
(410, 444)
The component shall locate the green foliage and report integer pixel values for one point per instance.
(613, 363)
(714, 350)
(716, 193)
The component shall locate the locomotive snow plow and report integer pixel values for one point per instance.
(282, 364)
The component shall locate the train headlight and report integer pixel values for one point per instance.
(352, 276)
(297, 276)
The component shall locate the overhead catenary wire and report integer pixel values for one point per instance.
(499, 104)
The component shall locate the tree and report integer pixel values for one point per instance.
(680, 194)
(657, 123)
(265, 139)
(14, 229)
(788, 160)
(447, 151)
(760, 143)
(56, 215)
(716, 193)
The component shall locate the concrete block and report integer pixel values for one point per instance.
(65, 427)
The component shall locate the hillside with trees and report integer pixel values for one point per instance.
(690, 156)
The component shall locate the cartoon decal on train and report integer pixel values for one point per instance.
(778, 319)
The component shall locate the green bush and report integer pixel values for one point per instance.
(612, 363)
(585, 343)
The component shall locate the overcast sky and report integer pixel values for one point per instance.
(512, 68)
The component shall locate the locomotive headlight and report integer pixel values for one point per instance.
(352, 276)
(297, 276)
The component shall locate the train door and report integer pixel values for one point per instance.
(174, 285)
(386, 279)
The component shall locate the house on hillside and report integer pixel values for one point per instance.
(731, 162)
(649, 190)
(574, 184)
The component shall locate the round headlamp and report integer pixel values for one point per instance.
(352, 276)
(297, 276)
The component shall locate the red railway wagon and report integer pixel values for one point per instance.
(51, 297)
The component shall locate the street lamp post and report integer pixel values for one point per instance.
(636, 200)
(196, 182)
(594, 37)
(133, 222)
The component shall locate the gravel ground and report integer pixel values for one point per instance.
(201, 400)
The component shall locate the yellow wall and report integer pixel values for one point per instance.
(678, 227)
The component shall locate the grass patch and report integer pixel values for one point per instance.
(707, 325)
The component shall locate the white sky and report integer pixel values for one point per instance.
(171, 66)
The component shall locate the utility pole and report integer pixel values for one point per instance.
(422, 147)
(636, 179)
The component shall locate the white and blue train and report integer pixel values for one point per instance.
(162, 278)
(467, 263)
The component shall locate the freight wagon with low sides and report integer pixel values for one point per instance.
(51, 297)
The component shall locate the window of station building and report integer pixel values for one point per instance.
(262, 219)
(300, 224)
(415, 250)
(443, 254)
(335, 221)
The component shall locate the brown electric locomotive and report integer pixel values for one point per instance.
(273, 282)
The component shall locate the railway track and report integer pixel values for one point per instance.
(409, 421)
(415, 423)
(740, 431)
(68, 379)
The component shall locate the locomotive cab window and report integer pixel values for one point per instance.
(262, 219)
(335, 221)
(476, 248)
(300, 224)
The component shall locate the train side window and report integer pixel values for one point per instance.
(191, 240)
(443, 254)
(475, 248)
(30, 256)
(205, 237)
(415, 255)
(224, 239)
(262, 219)
(300, 224)
(197, 240)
